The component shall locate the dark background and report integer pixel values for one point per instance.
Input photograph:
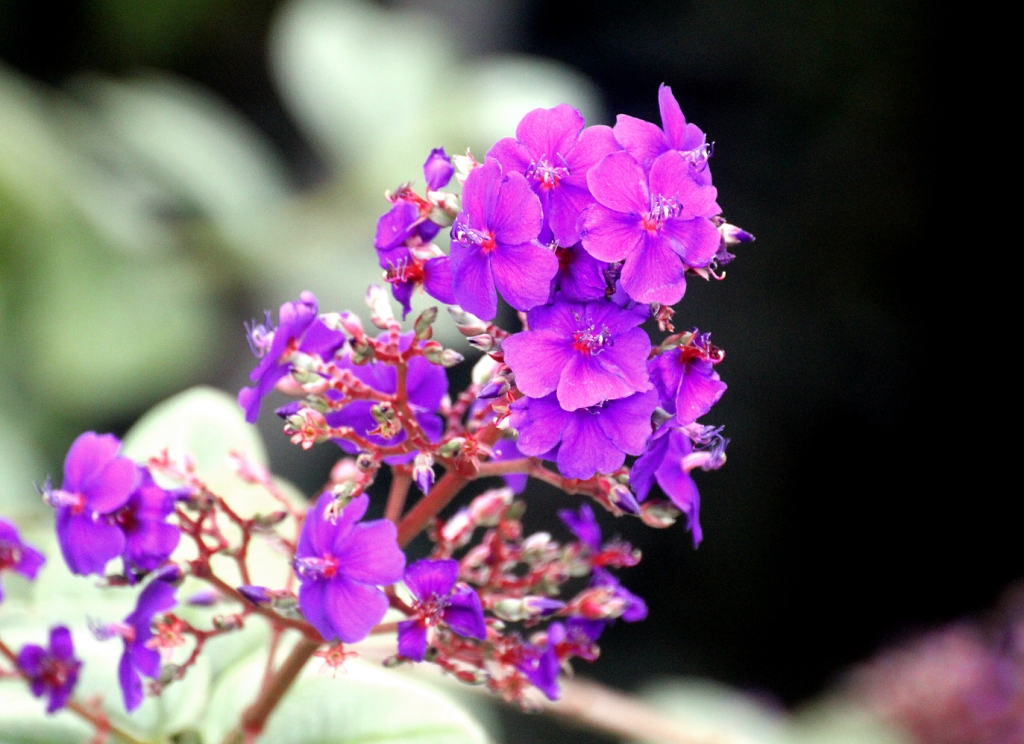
(853, 510)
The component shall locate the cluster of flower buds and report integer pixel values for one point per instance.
(590, 234)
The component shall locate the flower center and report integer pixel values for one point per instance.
(55, 672)
(430, 609)
(59, 499)
(317, 568)
(10, 554)
(482, 238)
(260, 337)
(590, 341)
(564, 256)
(405, 271)
(662, 209)
(546, 175)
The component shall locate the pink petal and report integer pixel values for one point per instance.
(641, 139)
(370, 554)
(537, 358)
(654, 273)
(517, 216)
(523, 274)
(550, 132)
(619, 183)
(672, 176)
(513, 156)
(672, 119)
(696, 241)
(480, 193)
(608, 235)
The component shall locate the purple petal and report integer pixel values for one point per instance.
(654, 273)
(540, 422)
(109, 489)
(319, 535)
(678, 484)
(157, 597)
(370, 553)
(586, 449)
(353, 608)
(627, 422)
(313, 603)
(438, 169)
(86, 457)
(641, 475)
(465, 615)
(426, 384)
(250, 398)
(586, 382)
(608, 235)
(131, 683)
(506, 449)
(581, 276)
(150, 544)
(473, 282)
(537, 358)
(698, 391)
(61, 644)
(641, 139)
(322, 341)
(480, 193)
(427, 579)
(550, 132)
(672, 119)
(583, 525)
(517, 216)
(619, 183)
(696, 241)
(672, 177)
(594, 143)
(627, 358)
(513, 156)
(87, 544)
(394, 227)
(523, 274)
(30, 660)
(437, 280)
(412, 639)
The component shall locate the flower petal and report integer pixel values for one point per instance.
(87, 544)
(627, 422)
(672, 119)
(465, 615)
(608, 235)
(473, 282)
(412, 639)
(654, 273)
(428, 578)
(641, 139)
(517, 216)
(523, 273)
(619, 183)
(370, 553)
(696, 241)
(586, 449)
(586, 382)
(353, 608)
(87, 455)
(131, 683)
(537, 358)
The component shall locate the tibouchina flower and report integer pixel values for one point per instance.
(438, 599)
(494, 244)
(341, 564)
(16, 555)
(139, 658)
(686, 379)
(52, 671)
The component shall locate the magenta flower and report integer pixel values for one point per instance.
(686, 379)
(581, 277)
(149, 540)
(587, 440)
(437, 599)
(657, 223)
(426, 384)
(555, 153)
(16, 555)
(438, 169)
(52, 671)
(405, 271)
(645, 142)
(587, 353)
(341, 564)
(298, 329)
(97, 483)
(494, 244)
(139, 657)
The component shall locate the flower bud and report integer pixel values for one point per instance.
(537, 547)
(487, 508)
(365, 462)
(484, 342)
(269, 521)
(733, 235)
(467, 323)
(484, 370)
(424, 322)
(381, 314)
(438, 169)
(622, 498)
(423, 471)
(458, 529)
(463, 165)
(659, 514)
(451, 448)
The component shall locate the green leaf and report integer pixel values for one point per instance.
(202, 421)
(23, 719)
(362, 704)
(837, 722)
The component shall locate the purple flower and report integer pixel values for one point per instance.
(686, 379)
(136, 631)
(506, 449)
(542, 665)
(437, 599)
(634, 607)
(555, 153)
(406, 218)
(405, 271)
(52, 671)
(96, 484)
(438, 169)
(657, 223)
(583, 525)
(341, 564)
(669, 458)
(494, 244)
(645, 142)
(588, 440)
(16, 555)
(149, 539)
(587, 353)
(426, 385)
(298, 329)
(581, 277)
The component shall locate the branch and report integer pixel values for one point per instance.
(401, 481)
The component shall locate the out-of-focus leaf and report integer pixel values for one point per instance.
(20, 468)
(707, 709)
(202, 421)
(23, 720)
(363, 704)
(836, 722)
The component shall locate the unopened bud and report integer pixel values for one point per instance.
(394, 661)
(268, 521)
(487, 508)
(168, 673)
(344, 492)
(423, 471)
(382, 413)
(362, 353)
(484, 342)
(537, 547)
(451, 448)
(484, 370)
(622, 498)
(424, 322)
(381, 314)
(446, 207)
(227, 622)
(439, 355)
(365, 462)
(464, 164)
(458, 529)
(659, 514)
(467, 323)
(732, 235)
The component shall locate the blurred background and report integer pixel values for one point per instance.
(171, 168)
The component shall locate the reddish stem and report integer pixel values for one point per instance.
(401, 481)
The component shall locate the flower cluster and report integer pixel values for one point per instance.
(590, 234)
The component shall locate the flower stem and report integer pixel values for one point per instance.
(401, 481)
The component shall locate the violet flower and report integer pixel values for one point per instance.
(52, 671)
(298, 329)
(341, 564)
(405, 271)
(554, 152)
(96, 484)
(686, 379)
(16, 555)
(634, 607)
(405, 219)
(588, 440)
(139, 658)
(426, 385)
(583, 524)
(437, 599)
(581, 277)
(149, 540)
(542, 665)
(645, 141)
(494, 244)
(586, 352)
(438, 169)
(658, 223)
